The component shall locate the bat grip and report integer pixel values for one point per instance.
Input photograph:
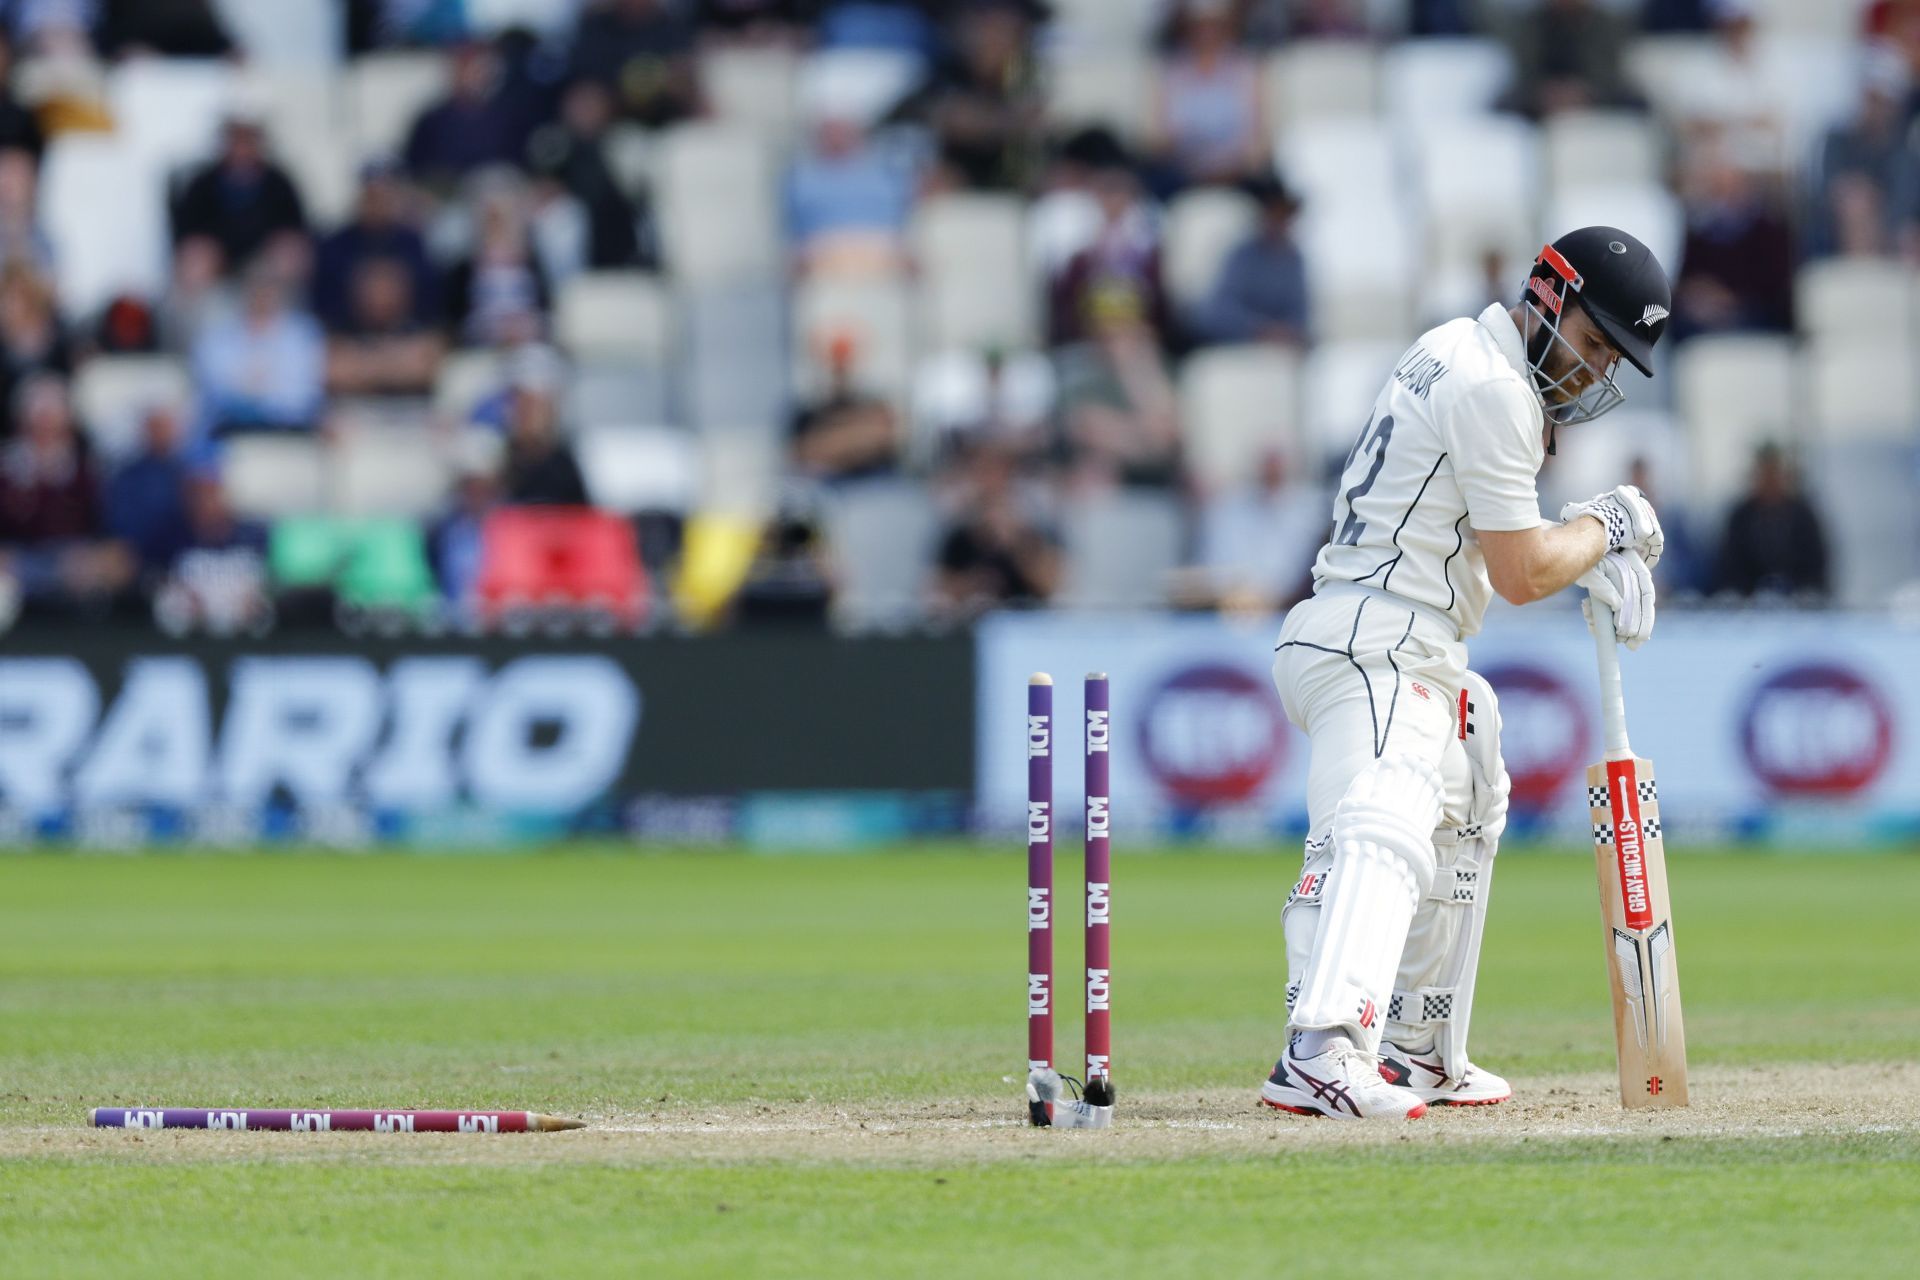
(1613, 700)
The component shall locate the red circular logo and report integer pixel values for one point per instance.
(1212, 734)
(1817, 730)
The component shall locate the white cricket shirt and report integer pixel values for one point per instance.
(1454, 444)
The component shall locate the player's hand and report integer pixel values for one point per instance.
(1623, 582)
(1629, 520)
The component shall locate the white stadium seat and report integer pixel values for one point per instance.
(112, 395)
(755, 86)
(1237, 403)
(106, 214)
(1313, 80)
(974, 287)
(739, 473)
(277, 475)
(716, 204)
(1862, 389)
(881, 535)
(630, 469)
(1361, 267)
(1732, 394)
(875, 314)
(1203, 226)
(285, 34)
(1121, 546)
(1351, 161)
(1110, 87)
(1478, 184)
(615, 317)
(1429, 80)
(169, 110)
(855, 84)
(953, 392)
(1600, 148)
(1870, 299)
(1341, 380)
(1665, 68)
(1649, 211)
(381, 470)
(386, 92)
(1117, 24)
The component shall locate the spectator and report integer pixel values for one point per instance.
(21, 239)
(31, 340)
(383, 228)
(1441, 18)
(642, 52)
(146, 500)
(755, 21)
(386, 24)
(846, 434)
(985, 102)
(455, 543)
(1567, 57)
(789, 582)
(262, 366)
(1867, 185)
(237, 207)
(1736, 263)
(847, 203)
(1261, 293)
(1209, 119)
(219, 580)
(499, 295)
(1258, 541)
(996, 551)
(52, 544)
(1118, 268)
(540, 466)
(997, 398)
(19, 127)
(572, 154)
(384, 349)
(480, 123)
(170, 28)
(1272, 22)
(1675, 17)
(1775, 542)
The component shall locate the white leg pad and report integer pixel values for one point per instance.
(1383, 865)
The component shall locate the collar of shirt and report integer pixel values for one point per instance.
(1506, 336)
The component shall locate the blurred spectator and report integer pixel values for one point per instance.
(382, 228)
(1066, 216)
(540, 466)
(219, 580)
(789, 582)
(1120, 421)
(847, 433)
(146, 500)
(1441, 18)
(1258, 541)
(1209, 124)
(1261, 293)
(998, 399)
(755, 21)
(19, 127)
(31, 340)
(498, 296)
(847, 202)
(482, 121)
(172, 28)
(985, 102)
(1866, 189)
(262, 365)
(1271, 22)
(1775, 542)
(572, 154)
(1682, 570)
(1736, 264)
(1119, 269)
(235, 208)
(1567, 57)
(996, 551)
(21, 239)
(52, 543)
(1739, 94)
(382, 24)
(642, 51)
(384, 348)
(1671, 17)
(455, 542)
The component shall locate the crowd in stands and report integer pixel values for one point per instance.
(890, 311)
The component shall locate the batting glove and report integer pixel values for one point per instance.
(1623, 582)
(1629, 521)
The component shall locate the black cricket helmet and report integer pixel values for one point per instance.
(1621, 286)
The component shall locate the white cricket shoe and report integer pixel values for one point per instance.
(1426, 1076)
(1339, 1081)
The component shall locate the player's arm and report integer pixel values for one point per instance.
(1531, 564)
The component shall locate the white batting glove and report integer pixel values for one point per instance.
(1623, 582)
(1629, 519)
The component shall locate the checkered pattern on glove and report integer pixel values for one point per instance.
(1629, 519)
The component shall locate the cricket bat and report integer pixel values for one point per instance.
(1636, 916)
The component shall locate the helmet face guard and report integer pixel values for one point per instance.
(1552, 286)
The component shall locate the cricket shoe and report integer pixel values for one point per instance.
(1340, 1081)
(1424, 1075)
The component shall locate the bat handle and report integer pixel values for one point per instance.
(1613, 701)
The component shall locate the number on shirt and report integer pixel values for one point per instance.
(1374, 436)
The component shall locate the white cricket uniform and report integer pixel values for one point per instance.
(1373, 667)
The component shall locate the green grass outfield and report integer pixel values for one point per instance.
(656, 991)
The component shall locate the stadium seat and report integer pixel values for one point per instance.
(268, 476)
(875, 314)
(1648, 210)
(630, 470)
(740, 471)
(615, 316)
(881, 536)
(1110, 24)
(1665, 68)
(465, 379)
(1345, 161)
(754, 86)
(567, 558)
(1732, 393)
(106, 214)
(1863, 490)
(1121, 546)
(1600, 148)
(543, 16)
(1361, 267)
(1478, 178)
(716, 204)
(1235, 404)
(304, 115)
(1341, 380)
(1313, 80)
(1590, 462)
(385, 92)
(112, 394)
(1425, 81)
(376, 564)
(1862, 388)
(1106, 87)
(1203, 226)
(285, 35)
(1869, 299)
(974, 289)
(952, 393)
(169, 110)
(856, 84)
(603, 393)
(388, 470)
(735, 368)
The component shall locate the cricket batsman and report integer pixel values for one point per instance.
(1406, 793)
